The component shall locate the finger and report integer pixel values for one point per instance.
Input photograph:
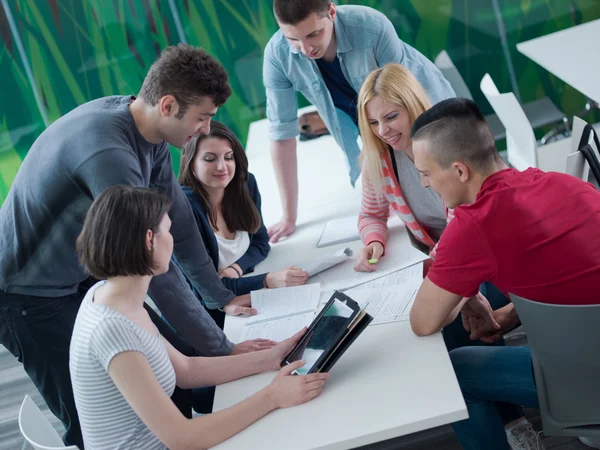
(377, 252)
(277, 234)
(314, 377)
(318, 384)
(296, 337)
(312, 394)
(243, 311)
(264, 345)
(273, 229)
(263, 341)
(287, 370)
(465, 321)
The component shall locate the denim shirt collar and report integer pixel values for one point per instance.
(342, 41)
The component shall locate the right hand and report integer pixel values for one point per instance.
(290, 276)
(288, 390)
(281, 229)
(477, 313)
(372, 251)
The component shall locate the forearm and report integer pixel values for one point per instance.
(285, 164)
(454, 313)
(213, 371)
(176, 301)
(212, 429)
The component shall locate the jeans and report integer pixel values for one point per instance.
(488, 375)
(37, 331)
(455, 336)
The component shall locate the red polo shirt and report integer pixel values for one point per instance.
(531, 233)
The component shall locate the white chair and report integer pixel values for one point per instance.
(540, 112)
(522, 148)
(36, 429)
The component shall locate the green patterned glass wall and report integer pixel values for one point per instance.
(57, 54)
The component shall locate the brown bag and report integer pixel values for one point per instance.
(311, 126)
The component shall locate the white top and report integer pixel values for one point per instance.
(107, 420)
(571, 55)
(230, 250)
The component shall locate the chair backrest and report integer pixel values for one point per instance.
(576, 162)
(451, 73)
(521, 143)
(36, 429)
(564, 342)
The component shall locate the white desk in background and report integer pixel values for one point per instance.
(388, 384)
(571, 54)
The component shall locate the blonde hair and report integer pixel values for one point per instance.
(394, 84)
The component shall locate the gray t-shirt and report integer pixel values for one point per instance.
(93, 147)
(100, 334)
(425, 204)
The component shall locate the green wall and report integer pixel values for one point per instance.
(83, 49)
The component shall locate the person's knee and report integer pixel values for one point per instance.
(460, 358)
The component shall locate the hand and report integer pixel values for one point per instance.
(372, 251)
(253, 345)
(507, 319)
(291, 276)
(282, 349)
(288, 390)
(240, 306)
(281, 229)
(477, 314)
(228, 272)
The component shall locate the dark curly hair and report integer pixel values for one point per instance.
(187, 73)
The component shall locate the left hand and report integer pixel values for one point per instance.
(489, 334)
(281, 350)
(240, 306)
(253, 345)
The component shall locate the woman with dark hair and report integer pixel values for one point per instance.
(226, 203)
(123, 370)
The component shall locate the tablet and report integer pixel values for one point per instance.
(329, 335)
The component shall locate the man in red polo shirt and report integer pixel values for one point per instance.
(530, 233)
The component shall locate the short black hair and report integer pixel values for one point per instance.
(187, 73)
(292, 12)
(456, 130)
(113, 239)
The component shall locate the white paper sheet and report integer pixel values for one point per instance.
(389, 304)
(274, 303)
(327, 261)
(337, 231)
(277, 329)
(414, 272)
(343, 276)
(281, 312)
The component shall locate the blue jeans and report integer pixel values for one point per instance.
(488, 375)
(455, 336)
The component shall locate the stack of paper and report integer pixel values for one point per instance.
(281, 312)
(327, 261)
(387, 304)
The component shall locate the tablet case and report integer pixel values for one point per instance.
(361, 320)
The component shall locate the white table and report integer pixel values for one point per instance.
(390, 382)
(572, 55)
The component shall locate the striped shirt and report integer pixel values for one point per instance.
(375, 210)
(107, 420)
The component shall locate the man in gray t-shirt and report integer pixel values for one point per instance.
(108, 141)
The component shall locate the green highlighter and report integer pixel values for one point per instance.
(373, 261)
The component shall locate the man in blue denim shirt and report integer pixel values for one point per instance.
(325, 52)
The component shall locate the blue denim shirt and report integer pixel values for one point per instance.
(366, 40)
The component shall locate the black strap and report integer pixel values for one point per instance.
(588, 152)
(394, 165)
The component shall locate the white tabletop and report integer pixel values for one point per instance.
(572, 55)
(389, 382)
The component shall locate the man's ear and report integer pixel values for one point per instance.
(332, 11)
(168, 106)
(463, 171)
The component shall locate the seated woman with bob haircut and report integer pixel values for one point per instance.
(123, 371)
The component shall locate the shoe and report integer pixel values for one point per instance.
(524, 437)
(590, 442)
